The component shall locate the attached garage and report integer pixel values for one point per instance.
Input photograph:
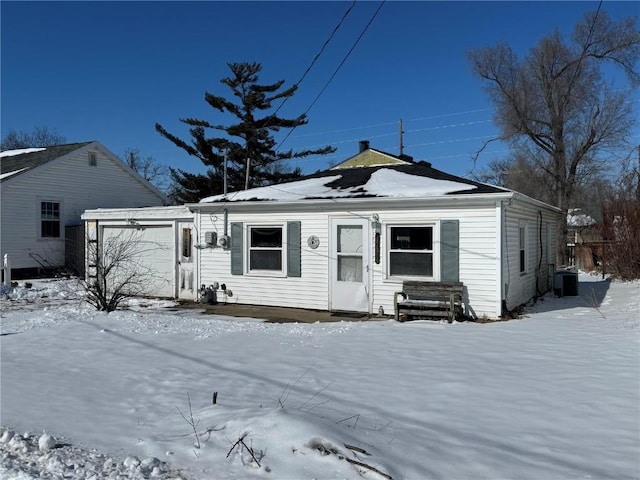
(154, 249)
(156, 243)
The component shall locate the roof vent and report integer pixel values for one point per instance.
(364, 145)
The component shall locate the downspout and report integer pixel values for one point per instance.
(196, 266)
(500, 293)
(224, 191)
(373, 229)
(96, 261)
(538, 270)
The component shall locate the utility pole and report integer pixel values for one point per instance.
(401, 145)
(224, 172)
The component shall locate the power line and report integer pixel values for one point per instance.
(441, 127)
(449, 114)
(395, 122)
(375, 14)
(315, 59)
(450, 141)
(352, 140)
(346, 129)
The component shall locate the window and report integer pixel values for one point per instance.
(186, 242)
(93, 159)
(49, 220)
(265, 248)
(411, 251)
(349, 253)
(523, 249)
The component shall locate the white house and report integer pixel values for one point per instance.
(344, 239)
(45, 190)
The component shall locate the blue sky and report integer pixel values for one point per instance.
(109, 71)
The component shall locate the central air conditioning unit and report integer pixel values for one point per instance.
(224, 241)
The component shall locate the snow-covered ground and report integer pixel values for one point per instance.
(553, 395)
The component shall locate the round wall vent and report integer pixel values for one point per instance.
(313, 242)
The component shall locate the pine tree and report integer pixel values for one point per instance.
(249, 144)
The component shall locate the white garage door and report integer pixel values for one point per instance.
(151, 252)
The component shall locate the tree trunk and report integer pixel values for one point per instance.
(246, 178)
(561, 241)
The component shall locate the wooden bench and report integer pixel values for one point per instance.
(432, 300)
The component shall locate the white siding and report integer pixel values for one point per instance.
(519, 287)
(78, 186)
(479, 262)
(478, 259)
(479, 265)
(309, 291)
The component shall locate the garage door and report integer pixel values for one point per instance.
(149, 254)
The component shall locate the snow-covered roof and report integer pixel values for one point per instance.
(20, 151)
(139, 213)
(576, 218)
(407, 180)
(8, 174)
(13, 162)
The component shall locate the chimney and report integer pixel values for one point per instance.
(364, 145)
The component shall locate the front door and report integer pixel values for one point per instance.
(350, 265)
(186, 281)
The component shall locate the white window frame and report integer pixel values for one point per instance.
(93, 159)
(39, 202)
(283, 250)
(435, 256)
(523, 248)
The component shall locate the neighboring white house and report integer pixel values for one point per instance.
(344, 239)
(45, 190)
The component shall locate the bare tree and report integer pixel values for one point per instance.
(39, 137)
(517, 173)
(556, 101)
(148, 168)
(116, 270)
(621, 225)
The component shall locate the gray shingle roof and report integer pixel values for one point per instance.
(36, 159)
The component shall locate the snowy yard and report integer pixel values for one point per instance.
(553, 395)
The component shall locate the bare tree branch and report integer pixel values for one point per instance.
(555, 100)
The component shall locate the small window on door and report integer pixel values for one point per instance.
(187, 242)
(349, 252)
(49, 220)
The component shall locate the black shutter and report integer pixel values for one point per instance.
(236, 249)
(294, 268)
(449, 251)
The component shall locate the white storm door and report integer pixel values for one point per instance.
(350, 265)
(186, 279)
